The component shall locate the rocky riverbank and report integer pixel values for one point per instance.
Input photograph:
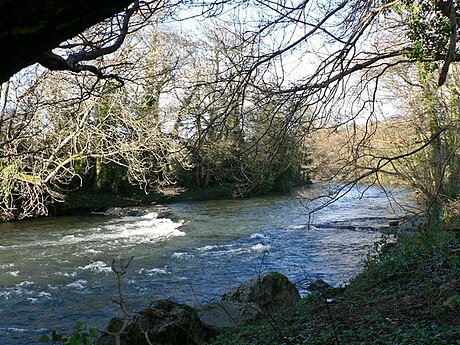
(167, 322)
(408, 294)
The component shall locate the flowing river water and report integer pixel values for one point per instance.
(57, 271)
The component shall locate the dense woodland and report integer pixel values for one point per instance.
(256, 96)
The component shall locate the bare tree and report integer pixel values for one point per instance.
(310, 64)
(63, 126)
(344, 49)
(238, 134)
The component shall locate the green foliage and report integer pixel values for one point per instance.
(378, 330)
(451, 213)
(82, 335)
(429, 251)
(433, 118)
(8, 173)
(268, 160)
(429, 28)
(110, 177)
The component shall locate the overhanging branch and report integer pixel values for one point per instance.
(73, 62)
(30, 28)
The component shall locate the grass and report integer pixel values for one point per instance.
(408, 294)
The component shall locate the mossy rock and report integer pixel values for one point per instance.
(271, 291)
(163, 322)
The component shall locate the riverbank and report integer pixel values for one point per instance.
(409, 294)
(87, 201)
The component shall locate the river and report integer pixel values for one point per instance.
(56, 271)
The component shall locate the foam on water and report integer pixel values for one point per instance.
(9, 330)
(153, 271)
(206, 248)
(98, 266)
(151, 230)
(39, 296)
(152, 215)
(13, 273)
(182, 255)
(91, 251)
(44, 294)
(25, 288)
(79, 284)
(225, 250)
(296, 227)
(259, 236)
(25, 283)
(213, 248)
(261, 248)
(126, 230)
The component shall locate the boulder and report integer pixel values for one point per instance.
(159, 211)
(168, 322)
(108, 338)
(271, 291)
(393, 222)
(163, 322)
(218, 315)
(319, 286)
(114, 326)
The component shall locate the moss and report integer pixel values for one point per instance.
(278, 282)
(179, 324)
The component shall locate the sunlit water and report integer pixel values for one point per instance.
(56, 272)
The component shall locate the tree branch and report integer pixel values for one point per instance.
(30, 28)
(452, 40)
(73, 62)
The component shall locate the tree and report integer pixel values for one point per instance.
(345, 24)
(430, 114)
(349, 48)
(339, 53)
(224, 118)
(62, 131)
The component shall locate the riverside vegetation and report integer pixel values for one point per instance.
(135, 103)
